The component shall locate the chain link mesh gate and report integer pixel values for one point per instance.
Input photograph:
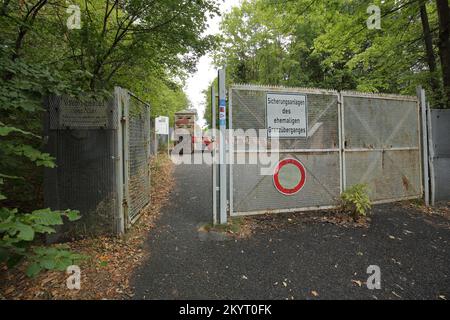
(381, 135)
(138, 157)
(252, 193)
(352, 138)
(102, 152)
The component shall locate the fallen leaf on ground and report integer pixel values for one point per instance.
(359, 283)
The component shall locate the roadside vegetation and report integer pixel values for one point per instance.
(106, 263)
(327, 44)
(355, 201)
(147, 47)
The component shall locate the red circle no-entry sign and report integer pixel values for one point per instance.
(289, 176)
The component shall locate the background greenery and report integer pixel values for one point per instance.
(327, 44)
(146, 46)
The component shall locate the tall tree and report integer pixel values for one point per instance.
(328, 44)
(444, 45)
(431, 59)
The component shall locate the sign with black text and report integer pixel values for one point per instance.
(162, 125)
(286, 115)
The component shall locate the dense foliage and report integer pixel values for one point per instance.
(145, 46)
(327, 44)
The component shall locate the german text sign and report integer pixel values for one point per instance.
(162, 125)
(286, 115)
(83, 117)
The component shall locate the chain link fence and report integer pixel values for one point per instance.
(102, 155)
(351, 138)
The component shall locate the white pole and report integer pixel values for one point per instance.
(119, 160)
(423, 107)
(342, 137)
(431, 155)
(341, 149)
(230, 151)
(222, 150)
(214, 164)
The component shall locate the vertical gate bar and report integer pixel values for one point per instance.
(422, 99)
(222, 164)
(419, 143)
(339, 107)
(431, 156)
(148, 137)
(118, 161)
(231, 148)
(126, 157)
(156, 141)
(214, 164)
(344, 169)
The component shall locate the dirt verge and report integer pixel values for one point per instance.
(107, 271)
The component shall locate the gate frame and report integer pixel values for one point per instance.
(232, 151)
(122, 102)
(341, 137)
(384, 96)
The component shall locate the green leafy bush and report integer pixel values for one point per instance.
(356, 200)
(24, 84)
(18, 232)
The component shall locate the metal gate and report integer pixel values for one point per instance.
(351, 138)
(102, 152)
(381, 135)
(439, 131)
(135, 148)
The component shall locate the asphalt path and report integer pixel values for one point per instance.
(297, 259)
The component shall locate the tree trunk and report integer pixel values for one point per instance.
(444, 46)
(431, 59)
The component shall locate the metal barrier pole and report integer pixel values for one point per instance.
(423, 106)
(222, 150)
(214, 164)
(431, 156)
(119, 160)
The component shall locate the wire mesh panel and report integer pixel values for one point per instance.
(382, 147)
(318, 152)
(82, 137)
(139, 157)
(351, 138)
(256, 193)
(102, 152)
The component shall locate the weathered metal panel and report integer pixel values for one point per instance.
(440, 124)
(380, 146)
(380, 123)
(88, 114)
(319, 153)
(389, 174)
(249, 112)
(255, 192)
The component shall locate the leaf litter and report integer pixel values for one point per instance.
(111, 262)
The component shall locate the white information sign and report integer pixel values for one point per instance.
(162, 125)
(286, 115)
